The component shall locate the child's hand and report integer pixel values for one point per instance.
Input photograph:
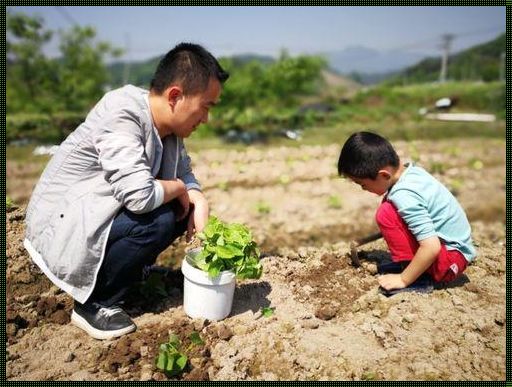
(391, 281)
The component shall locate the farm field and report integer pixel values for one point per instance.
(329, 320)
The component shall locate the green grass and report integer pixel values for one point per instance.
(24, 154)
(388, 110)
(8, 203)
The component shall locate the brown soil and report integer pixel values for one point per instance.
(329, 321)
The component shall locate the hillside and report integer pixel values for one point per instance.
(482, 62)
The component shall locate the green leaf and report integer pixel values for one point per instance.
(267, 311)
(169, 367)
(161, 361)
(174, 341)
(181, 362)
(195, 338)
(227, 252)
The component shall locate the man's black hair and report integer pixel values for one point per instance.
(189, 65)
(364, 154)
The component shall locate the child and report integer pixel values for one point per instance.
(420, 220)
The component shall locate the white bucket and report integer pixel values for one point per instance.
(205, 297)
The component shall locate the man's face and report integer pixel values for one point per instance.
(192, 110)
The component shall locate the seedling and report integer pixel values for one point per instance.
(369, 375)
(8, 203)
(415, 155)
(438, 167)
(228, 246)
(477, 164)
(195, 339)
(153, 286)
(263, 207)
(284, 179)
(170, 359)
(334, 202)
(267, 311)
(455, 186)
(223, 185)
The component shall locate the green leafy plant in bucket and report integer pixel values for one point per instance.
(227, 246)
(170, 358)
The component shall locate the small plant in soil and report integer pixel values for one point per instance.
(228, 246)
(334, 202)
(195, 339)
(170, 358)
(437, 167)
(263, 207)
(267, 311)
(153, 286)
(476, 164)
(284, 179)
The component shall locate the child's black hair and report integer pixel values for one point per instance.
(364, 154)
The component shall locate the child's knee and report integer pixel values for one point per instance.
(448, 266)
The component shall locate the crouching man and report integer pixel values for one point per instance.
(120, 189)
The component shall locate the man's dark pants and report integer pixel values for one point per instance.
(135, 240)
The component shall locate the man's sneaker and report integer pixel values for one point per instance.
(102, 322)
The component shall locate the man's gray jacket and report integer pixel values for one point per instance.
(110, 161)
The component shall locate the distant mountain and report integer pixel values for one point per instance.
(362, 65)
(140, 73)
(366, 60)
(242, 59)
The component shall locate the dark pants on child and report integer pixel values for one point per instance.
(402, 245)
(135, 241)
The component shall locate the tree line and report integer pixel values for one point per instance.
(74, 80)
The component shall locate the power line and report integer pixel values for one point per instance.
(422, 43)
(67, 16)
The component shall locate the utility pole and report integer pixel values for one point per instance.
(502, 66)
(445, 46)
(126, 69)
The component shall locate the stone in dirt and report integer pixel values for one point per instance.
(325, 312)
(224, 332)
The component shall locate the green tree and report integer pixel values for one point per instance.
(259, 96)
(38, 84)
(29, 73)
(81, 72)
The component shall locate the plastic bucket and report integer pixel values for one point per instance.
(205, 297)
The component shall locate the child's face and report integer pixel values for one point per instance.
(378, 186)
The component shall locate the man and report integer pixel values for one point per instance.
(120, 189)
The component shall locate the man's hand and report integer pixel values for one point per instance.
(199, 213)
(392, 281)
(184, 201)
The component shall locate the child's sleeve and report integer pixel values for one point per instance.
(413, 210)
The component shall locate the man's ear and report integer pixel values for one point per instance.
(174, 94)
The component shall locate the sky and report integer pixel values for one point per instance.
(146, 32)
